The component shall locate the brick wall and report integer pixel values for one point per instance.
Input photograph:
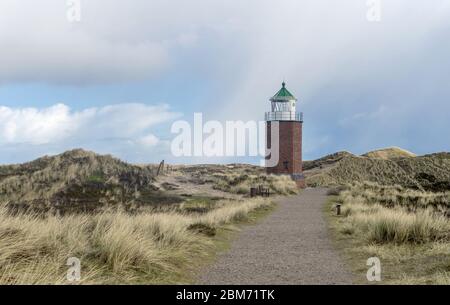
(290, 150)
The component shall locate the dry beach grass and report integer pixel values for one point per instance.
(408, 230)
(126, 224)
(113, 246)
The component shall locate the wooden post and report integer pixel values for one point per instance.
(160, 168)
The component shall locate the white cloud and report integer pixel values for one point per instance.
(59, 125)
(37, 126)
(148, 141)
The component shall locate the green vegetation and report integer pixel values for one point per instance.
(200, 204)
(98, 177)
(408, 230)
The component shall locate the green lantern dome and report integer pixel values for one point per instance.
(283, 95)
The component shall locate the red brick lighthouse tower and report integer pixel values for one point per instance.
(290, 123)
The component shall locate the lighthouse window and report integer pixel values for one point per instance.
(286, 165)
(282, 106)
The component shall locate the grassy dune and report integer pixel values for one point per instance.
(429, 172)
(390, 153)
(76, 180)
(114, 247)
(408, 230)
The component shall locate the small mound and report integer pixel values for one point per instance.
(389, 153)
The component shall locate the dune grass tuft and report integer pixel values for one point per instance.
(402, 227)
(408, 230)
(114, 247)
(241, 183)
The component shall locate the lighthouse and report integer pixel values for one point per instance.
(290, 124)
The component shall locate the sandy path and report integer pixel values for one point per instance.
(290, 246)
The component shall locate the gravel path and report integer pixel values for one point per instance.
(290, 246)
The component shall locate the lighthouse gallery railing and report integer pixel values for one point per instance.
(284, 116)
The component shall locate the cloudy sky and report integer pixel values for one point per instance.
(116, 80)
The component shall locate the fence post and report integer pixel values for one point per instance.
(252, 192)
(160, 168)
